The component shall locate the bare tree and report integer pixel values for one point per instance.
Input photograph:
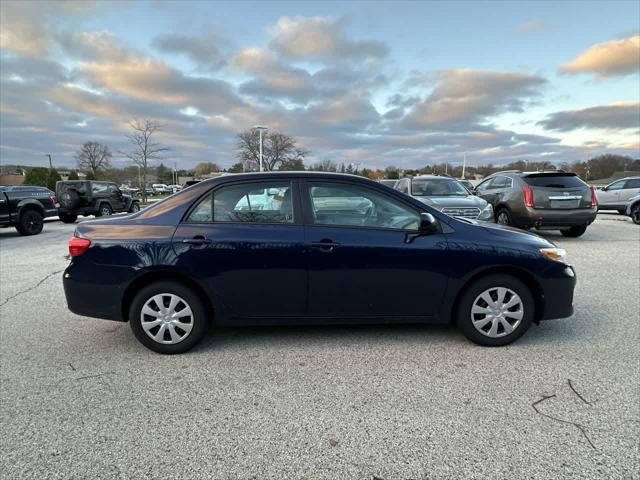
(143, 148)
(278, 149)
(93, 157)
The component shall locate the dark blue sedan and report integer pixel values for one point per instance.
(309, 248)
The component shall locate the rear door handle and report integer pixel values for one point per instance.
(325, 245)
(197, 240)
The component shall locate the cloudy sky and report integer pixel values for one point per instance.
(401, 83)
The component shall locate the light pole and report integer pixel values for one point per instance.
(260, 128)
(464, 164)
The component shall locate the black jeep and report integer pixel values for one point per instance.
(88, 197)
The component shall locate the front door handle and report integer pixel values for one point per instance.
(197, 240)
(325, 245)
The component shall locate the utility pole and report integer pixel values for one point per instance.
(260, 128)
(464, 165)
(50, 162)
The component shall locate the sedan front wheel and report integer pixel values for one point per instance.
(495, 310)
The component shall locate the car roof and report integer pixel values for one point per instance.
(432, 177)
(287, 174)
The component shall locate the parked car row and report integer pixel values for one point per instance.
(25, 206)
(544, 200)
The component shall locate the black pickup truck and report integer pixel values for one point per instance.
(25, 207)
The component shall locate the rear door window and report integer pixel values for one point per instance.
(256, 202)
(633, 183)
(486, 185)
(259, 202)
(554, 181)
(501, 182)
(99, 187)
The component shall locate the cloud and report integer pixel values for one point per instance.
(321, 38)
(25, 26)
(531, 26)
(154, 81)
(463, 97)
(202, 51)
(93, 46)
(615, 57)
(272, 78)
(614, 116)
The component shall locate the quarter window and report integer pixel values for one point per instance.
(353, 206)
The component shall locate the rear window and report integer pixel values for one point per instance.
(553, 180)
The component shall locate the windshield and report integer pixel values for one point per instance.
(437, 187)
(554, 180)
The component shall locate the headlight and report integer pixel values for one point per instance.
(486, 213)
(557, 254)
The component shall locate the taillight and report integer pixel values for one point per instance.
(527, 193)
(53, 199)
(77, 246)
(594, 197)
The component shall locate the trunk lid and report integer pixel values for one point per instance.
(558, 190)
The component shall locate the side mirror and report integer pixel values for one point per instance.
(428, 223)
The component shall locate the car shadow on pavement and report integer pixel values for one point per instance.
(288, 336)
(552, 332)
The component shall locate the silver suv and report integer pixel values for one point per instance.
(544, 200)
(447, 195)
(616, 195)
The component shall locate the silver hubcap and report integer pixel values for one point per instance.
(503, 219)
(497, 312)
(166, 318)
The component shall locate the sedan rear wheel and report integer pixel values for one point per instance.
(495, 310)
(168, 317)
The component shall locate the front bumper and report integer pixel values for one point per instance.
(546, 217)
(558, 293)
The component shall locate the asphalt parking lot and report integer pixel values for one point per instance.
(81, 398)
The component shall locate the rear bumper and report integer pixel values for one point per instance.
(91, 299)
(558, 294)
(541, 217)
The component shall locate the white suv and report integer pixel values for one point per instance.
(616, 195)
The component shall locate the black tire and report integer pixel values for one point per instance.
(474, 290)
(104, 210)
(67, 217)
(135, 207)
(635, 213)
(503, 217)
(30, 222)
(574, 232)
(69, 199)
(200, 322)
